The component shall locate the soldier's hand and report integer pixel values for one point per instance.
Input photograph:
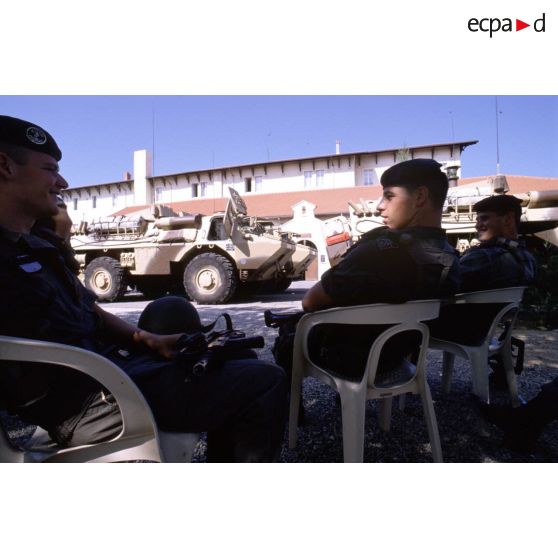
(162, 344)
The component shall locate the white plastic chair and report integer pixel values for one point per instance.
(478, 356)
(139, 438)
(354, 394)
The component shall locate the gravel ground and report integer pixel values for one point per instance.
(464, 436)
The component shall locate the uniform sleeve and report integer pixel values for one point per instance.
(24, 307)
(530, 266)
(475, 270)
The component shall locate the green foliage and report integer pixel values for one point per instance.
(540, 303)
(402, 154)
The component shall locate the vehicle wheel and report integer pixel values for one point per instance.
(106, 278)
(210, 279)
(282, 284)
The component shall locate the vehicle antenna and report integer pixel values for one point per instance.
(497, 138)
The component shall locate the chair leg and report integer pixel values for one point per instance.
(510, 376)
(384, 413)
(353, 410)
(447, 371)
(479, 374)
(431, 424)
(296, 394)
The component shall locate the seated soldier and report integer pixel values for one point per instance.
(407, 259)
(57, 230)
(240, 403)
(499, 261)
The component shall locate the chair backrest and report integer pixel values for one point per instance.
(400, 317)
(492, 296)
(503, 304)
(138, 421)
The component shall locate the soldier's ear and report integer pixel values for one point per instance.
(7, 166)
(509, 219)
(422, 195)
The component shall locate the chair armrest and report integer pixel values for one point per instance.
(136, 415)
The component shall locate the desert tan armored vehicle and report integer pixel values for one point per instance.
(212, 256)
(539, 212)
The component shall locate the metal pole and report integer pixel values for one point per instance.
(452, 129)
(497, 139)
(153, 136)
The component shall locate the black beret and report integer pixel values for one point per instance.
(499, 204)
(413, 172)
(21, 133)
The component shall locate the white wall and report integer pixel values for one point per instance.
(339, 172)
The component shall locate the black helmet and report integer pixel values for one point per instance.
(169, 315)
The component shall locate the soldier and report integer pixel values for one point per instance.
(501, 259)
(241, 403)
(407, 259)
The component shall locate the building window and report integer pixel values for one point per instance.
(203, 189)
(319, 178)
(258, 183)
(114, 200)
(368, 177)
(158, 193)
(75, 204)
(195, 192)
(94, 202)
(308, 179)
(247, 184)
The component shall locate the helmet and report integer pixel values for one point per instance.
(169, 315)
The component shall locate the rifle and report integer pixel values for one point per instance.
(204, 351)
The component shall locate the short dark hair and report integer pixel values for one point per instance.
(419, 172)
(19, 154)
(501, 205)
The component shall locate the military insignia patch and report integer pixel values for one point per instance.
(36, 135)
(384, 243)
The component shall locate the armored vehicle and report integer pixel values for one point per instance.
(212, 256)
(539, 212)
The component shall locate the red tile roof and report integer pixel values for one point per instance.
(328, 201)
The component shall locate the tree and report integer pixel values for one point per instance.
(402, 154)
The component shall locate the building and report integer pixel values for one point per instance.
(269, 188)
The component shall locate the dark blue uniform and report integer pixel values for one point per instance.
(495, 264)
(394, 266)
(241, 403)
(384, 266)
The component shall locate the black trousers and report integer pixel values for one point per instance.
(240, 403)
(543, 409)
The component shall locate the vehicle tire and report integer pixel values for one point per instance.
(282, 284)
(210, 279)
(106, 278)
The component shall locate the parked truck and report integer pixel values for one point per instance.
(212, 256)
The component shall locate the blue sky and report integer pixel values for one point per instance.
(98, 134)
